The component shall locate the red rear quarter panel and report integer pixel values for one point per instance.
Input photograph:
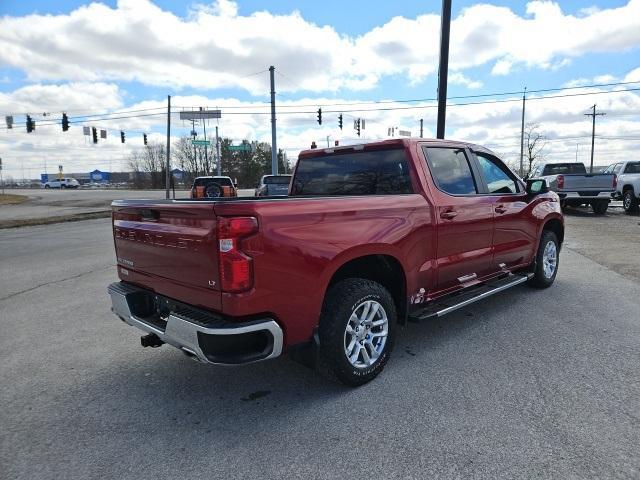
(302, 243)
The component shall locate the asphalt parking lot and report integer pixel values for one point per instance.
(527, 384)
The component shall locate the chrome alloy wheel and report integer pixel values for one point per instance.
(366, 334)
(550, 259)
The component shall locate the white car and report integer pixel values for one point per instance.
(628, 184)
(62, 183)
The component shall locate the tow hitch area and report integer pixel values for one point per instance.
(151, 340)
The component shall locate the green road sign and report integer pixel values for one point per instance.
(201, 142)
(243, 147)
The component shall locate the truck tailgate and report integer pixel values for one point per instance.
(588, 182)
(165, 246)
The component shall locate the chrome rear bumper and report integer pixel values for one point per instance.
(202, 335)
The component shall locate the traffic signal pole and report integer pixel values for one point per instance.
(445, 27)
(274, 149)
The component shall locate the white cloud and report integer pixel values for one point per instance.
(216, 47)
(458, 78)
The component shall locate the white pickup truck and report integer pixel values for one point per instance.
(628, 187)
(576, 187)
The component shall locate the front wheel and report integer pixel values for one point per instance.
(357, 331)
(547, 259)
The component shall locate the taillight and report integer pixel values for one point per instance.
(560, 180)
(615, 181)
(236, 268)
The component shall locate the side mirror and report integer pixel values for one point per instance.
(536, 186)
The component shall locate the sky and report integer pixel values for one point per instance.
(375, 60)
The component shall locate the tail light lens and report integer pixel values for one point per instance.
(236, 267)
(615, 181)
(560, 181)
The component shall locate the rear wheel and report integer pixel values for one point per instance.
(47, 186)
(600, 207)
(357, 331)
(547, 259)
(629, 201)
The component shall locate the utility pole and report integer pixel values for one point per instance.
(193, 137)
(524, 100)
(593, 132)
(206, 153)
(421, 122)
(445, 27)
(168, 166)
(218, 159)
(274, 149)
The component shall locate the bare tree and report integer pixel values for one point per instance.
(534, 143)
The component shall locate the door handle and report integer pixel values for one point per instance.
(448, 215)
(500, 209)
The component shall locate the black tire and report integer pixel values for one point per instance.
(600, 207)
(63, 186)
(629, 201)
(47, 186)
(540, 279)
(342, 300)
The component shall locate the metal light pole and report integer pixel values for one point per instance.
(445, 27)
(274, 149)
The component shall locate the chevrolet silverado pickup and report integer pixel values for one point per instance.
(369, 237)
(627, 185)
(576, 187)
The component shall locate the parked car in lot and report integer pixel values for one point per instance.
(576, 187)
(213, 187)
(273, 185)
(369, 237)
(628, 184)
(62, 183)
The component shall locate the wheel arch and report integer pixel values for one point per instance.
(384, 269)
(556, 226)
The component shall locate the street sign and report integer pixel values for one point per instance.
(199, 114)
(201, 142)
(243, 147)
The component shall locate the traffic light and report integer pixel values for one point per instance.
(31, 124)
(94, 133)
(319, 116)
(356, 126)
(65, 122)
(121, 137)
(144, 138)
(340, 121)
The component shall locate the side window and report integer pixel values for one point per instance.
(496, 175)
(631, 168)
(451, 170)
(610, 168)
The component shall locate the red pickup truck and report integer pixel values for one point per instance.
(370, 236)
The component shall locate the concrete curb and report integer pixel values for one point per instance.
(28, 222)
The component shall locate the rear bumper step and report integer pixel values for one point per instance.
(200, 334)
(449, 303)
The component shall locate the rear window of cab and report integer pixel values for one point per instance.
(379, 172)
